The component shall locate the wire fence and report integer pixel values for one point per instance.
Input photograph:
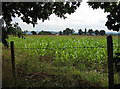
(68, 47)
(109, 47)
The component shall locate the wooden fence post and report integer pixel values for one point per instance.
(110, 61)
(12, 57)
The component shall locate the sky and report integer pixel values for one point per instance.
(83, 17)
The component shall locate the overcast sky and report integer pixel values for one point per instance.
(83, 17)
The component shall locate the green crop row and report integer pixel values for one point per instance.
(89, 50)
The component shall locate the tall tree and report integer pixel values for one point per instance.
(90, 31)
(85, 31)
(60, 33)
(80, 31)
(96, 32)
(30, 12)
(33, 32)
(102, 32)
(68, 31)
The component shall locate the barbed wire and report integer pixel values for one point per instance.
(67, 47)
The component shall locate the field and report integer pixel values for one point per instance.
(59, 61)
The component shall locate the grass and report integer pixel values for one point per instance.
(6, 69)
(31, 68)
(36, 68)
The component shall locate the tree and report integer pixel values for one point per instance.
(85, 31)
(113, 8)
(44, 33)
(96, 32)
(72, 31)
(80, 32)
(33, 32)
(30, 12)
(102, 32)
(90, 31)
(68, 31)
(60, 33)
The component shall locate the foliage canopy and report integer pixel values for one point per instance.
(68, 31)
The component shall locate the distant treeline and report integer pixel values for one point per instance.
(91, 32)
(41, 33)
(69, 31)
